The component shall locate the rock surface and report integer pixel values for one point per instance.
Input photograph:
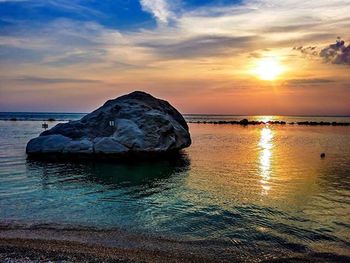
(142, 125)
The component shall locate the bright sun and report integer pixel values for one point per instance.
(268, 68)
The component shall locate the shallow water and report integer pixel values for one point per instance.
(252, 187)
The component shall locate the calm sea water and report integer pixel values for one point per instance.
(252, 187)
(44, 116)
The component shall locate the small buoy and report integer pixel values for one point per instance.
(323, 155)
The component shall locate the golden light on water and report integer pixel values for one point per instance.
(268, 68)
(266, 145)
(266, 118)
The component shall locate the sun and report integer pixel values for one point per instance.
(268, 68)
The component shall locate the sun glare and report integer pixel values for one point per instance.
(268, 68)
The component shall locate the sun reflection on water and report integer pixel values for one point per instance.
(266, 118)
(266, 145)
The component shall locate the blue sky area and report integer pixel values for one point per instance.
(118, 14)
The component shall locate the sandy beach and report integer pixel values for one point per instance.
(36, 250)
(65, 243)
(20, 243)
(33, 250)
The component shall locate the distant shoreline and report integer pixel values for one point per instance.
(185, 114)
(246, 122)
(192, 118)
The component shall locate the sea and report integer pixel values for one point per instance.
(249, 192)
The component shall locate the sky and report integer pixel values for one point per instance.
(250, 57)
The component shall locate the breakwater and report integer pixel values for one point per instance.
(246, 122)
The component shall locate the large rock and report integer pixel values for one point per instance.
(143, 125)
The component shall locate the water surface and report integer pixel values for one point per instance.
(256, 188)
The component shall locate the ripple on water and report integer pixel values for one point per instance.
(259, 191)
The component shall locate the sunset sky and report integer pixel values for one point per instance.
(224, 57)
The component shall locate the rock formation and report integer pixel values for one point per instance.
(133, 124)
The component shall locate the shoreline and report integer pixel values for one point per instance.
(25, 244)
(27, 250)
(57, 243)
(87, 244)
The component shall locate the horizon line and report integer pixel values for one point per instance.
(193, 114)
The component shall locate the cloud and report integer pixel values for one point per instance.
(185, 33)
(43, 80)
(73, 6)
(200, 46)
(13, 54)
(160, 9)
(65, 42)
(194, 50)
(255, 55)
(220, 35)
(310, 82)
(337, 53)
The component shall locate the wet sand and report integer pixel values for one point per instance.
(46, 243)
(29, 250)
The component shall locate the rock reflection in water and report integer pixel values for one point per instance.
(112, 175)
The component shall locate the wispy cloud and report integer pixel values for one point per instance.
(200, 46)
(198, 32)
(67, 5)
(43, 80)
(309, 82)
(160, 9)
